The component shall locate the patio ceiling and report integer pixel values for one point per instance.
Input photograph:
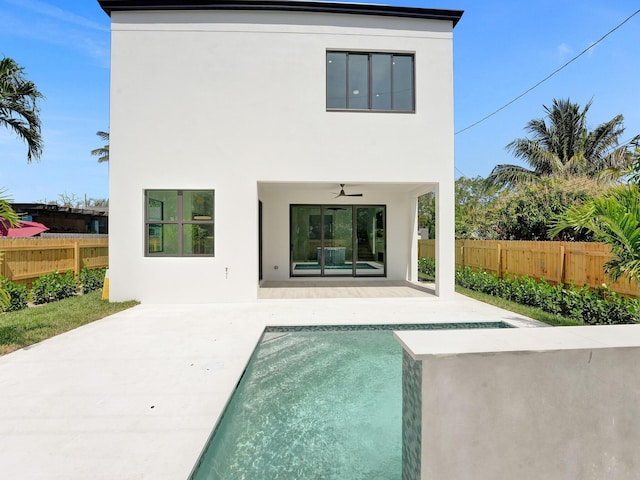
(350, 187)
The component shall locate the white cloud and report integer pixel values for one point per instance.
(57, 13)
(54, 26)
(564, 51)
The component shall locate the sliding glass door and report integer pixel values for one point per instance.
(370, 240)
(336, 255)
(337, 240)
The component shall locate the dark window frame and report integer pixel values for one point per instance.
(179, 222)
(370, 81)
(354, 207)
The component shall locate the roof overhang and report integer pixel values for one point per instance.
(282, 5)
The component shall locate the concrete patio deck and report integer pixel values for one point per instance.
(137, 394)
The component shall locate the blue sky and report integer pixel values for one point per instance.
(501, 48)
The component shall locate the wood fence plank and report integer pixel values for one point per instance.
(580, 263)
(25, 259)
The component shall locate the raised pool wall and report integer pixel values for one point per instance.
(552, 403)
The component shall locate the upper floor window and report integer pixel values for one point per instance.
(370, 81)
(179, 223)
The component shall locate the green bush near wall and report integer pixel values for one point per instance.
(52, 287)
(599, 306)
(427, 267)
(91, 279)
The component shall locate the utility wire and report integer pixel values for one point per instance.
(551, 74)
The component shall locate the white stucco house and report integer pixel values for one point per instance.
(257, 141)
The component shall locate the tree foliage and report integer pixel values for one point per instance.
(427, 213)
(474, 209)
(562, 146)
(613, 218)
(103, 152)
(19, 111)
(526, 212)
(71, 200)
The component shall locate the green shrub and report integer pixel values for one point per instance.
(91, 279)
(427, 266)
(591, 306)
(54, 286)
(17, 295)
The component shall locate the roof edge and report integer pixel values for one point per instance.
(282, 5)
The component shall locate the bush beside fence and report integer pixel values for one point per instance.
(580, 263)
(52, 287)
(593, 306)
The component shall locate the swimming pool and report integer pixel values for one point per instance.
(316, 403)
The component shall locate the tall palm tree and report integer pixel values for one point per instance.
(103, 152)
(613, 218)
(18, 106)
(562, 146)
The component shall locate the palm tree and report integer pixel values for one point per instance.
(18, 106)
(6, 211)
(564, 147)
(103, 152)
(613, 218)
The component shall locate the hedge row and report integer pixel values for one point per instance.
(599, 306)
(52, 287)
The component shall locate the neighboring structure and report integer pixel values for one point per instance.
(65, 219)
(234, 124)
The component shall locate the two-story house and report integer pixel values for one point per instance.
(275, 140)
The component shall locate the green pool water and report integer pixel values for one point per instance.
(323, 404)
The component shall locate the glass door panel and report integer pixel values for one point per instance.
(337, 240)
(337, 253)
(370, 241)
(306, 240)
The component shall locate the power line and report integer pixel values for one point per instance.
(551, 74)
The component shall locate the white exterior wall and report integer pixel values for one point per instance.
(233, 101)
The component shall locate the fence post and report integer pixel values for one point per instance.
(462, 255)
(76, 257)
(561, 264)
(499, 268)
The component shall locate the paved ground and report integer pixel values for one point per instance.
(136, 395)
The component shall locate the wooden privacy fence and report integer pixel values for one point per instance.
(557, 262)
(22, 260)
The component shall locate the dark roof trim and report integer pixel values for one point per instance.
(282, 5)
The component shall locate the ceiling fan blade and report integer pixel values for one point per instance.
(353, 195)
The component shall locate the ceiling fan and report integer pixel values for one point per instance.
(342, 194)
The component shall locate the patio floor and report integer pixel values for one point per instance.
(137, 394)
(344, 289)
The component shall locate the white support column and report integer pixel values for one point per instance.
(445, 240)
(412, 270)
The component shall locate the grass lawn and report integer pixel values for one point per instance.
(32, 325)
(535, 313)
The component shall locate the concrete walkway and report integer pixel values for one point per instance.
(136, 395)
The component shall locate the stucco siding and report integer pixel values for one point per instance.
(225, 100)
